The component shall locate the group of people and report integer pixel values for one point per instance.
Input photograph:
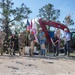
(18, 43)
(56, 42)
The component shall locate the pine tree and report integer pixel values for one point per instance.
(10, 15)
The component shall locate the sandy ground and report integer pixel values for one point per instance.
(37, 65)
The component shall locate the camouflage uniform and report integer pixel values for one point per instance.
(2, 37)
(14, 44)
(31, 48)
(22, 44)
(31, 40)
(10, 45)
(6, 44)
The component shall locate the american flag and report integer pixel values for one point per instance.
(28, 26)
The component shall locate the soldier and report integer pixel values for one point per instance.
(2, 37)
(31, 41)
(22, 43)
(10, 49)
(6, 44)
(14, 43)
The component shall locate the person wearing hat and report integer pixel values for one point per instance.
(22, 39)
(67, 41)
(42, 40)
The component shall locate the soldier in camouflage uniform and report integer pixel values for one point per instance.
(14, 43)
(6, 44)
(22, 43)
(31, 41)
(10, 48)
(2, 37)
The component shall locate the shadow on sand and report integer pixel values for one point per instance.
(34, 57)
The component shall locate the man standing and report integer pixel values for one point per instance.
(22, 39)
(31, 41)
(14, 43)
(2, 37)
(67, 42)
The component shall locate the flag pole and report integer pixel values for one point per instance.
(26, 34)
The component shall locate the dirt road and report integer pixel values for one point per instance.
(36, 65)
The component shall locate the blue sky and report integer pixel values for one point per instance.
(66, 6)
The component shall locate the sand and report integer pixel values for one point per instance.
(36, 65)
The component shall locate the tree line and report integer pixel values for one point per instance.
(10, 15)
